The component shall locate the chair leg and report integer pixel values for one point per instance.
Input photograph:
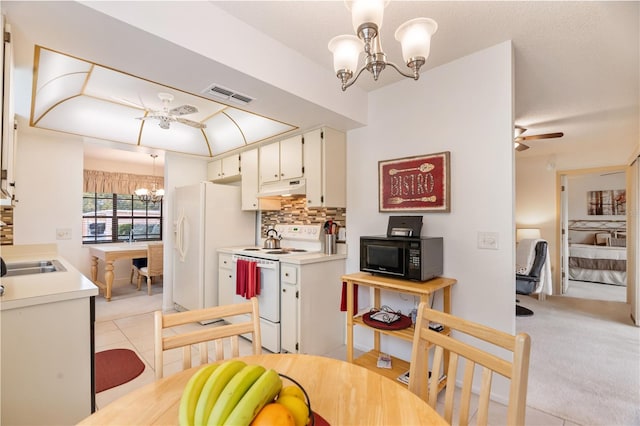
(149, 285)
(131, 278)
(139, 280)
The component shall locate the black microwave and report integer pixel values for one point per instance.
(410, 258)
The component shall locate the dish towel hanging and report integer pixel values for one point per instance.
(343, 300)
(247, 279)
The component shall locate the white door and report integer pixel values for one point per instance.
(564, 234)
(187, 268)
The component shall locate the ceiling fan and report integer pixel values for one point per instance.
(518, 139)
(166, 115)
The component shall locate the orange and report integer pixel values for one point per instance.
(274, 415)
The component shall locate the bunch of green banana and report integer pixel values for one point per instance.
(230, 393)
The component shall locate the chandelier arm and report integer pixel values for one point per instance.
(414, 76)
(345, 86)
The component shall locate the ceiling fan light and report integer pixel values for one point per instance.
(367, 12)
(141, 192)
(415, 38)
(346, 50)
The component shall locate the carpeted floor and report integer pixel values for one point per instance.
(585, 360)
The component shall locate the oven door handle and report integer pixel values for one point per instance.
(270, 265)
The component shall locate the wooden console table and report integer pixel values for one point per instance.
(423, 290)
(109, 253)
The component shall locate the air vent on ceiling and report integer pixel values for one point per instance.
(227, 94)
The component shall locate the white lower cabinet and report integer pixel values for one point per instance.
(47, 360)
(311, 320)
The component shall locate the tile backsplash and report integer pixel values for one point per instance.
(295, 211)
(6, 230)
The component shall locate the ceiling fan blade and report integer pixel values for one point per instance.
(190, 123)
(183, 110)
(521, 146)
(542, 136)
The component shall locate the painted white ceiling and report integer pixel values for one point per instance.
(576, 63)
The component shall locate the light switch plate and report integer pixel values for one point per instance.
(488, 240)
(63, 233)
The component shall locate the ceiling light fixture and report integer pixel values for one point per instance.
(155, 195)
(366, 16)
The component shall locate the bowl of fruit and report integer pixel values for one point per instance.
(240, 394)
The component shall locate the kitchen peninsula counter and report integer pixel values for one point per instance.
(28, 290)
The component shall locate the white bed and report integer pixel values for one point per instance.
(600, 264)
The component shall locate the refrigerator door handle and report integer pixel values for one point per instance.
(180, 236)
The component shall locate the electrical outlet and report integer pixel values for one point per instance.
(63, 233)
(488, 240)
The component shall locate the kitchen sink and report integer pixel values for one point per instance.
(34, 267)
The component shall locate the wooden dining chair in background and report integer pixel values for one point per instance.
(155, 265)
(202, 335)
(452, 350)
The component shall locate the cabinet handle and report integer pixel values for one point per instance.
(286, 274)
(230, 276)
(275, 175)
(281, 174)
(284, 290)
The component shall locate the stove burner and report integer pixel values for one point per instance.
(251, 249)
(296, 250)
(277, 252)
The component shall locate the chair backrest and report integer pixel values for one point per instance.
(539, 259)
(203, 334)
(155, 262)
(448, 353)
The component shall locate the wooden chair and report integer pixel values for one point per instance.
(447, 353)
(136, 264)
(202, 335)
(154, 266)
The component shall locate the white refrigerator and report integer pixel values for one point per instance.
(208, 218)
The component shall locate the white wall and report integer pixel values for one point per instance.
(49, 192)
(579, 185)
(464, 107)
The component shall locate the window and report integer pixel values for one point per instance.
(109, 218)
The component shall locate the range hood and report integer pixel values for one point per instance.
(283, 188)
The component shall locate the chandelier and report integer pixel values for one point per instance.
(154, 195)
(366, 16)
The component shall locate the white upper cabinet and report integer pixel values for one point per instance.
(325, 154)
(249, 185)
(281, 160)
(225, 169)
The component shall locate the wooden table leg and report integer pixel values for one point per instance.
(108, 278)
(350, 315)
(94, 268)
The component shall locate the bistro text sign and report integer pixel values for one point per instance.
(415, 183)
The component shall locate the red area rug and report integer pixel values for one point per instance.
(115, 367)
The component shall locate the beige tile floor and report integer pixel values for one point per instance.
(127, 322)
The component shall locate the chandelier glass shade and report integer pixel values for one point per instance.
(153, 195)
(366, 17)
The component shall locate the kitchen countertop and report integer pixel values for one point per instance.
(28, 290)
(297, 258)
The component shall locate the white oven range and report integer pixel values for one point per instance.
(296, 240)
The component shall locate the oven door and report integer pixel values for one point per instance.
(269, 297)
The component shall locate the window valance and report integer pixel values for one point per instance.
(118, 183)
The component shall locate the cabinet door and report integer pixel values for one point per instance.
(313, 167)
(291, 158)
(249, 184)
(214, 170)
(231, 166)
(289, 309)
(269, 163)
(226, 281)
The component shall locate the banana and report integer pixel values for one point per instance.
(233, 392)
(263, 391)
(191, 394)
(213, 388)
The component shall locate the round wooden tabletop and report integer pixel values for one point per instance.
(341, 392)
